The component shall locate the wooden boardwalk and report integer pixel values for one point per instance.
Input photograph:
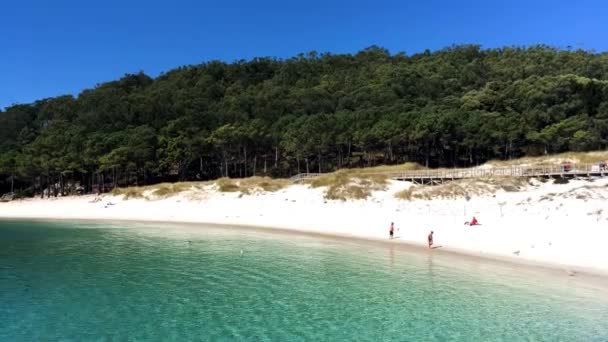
(304, 176)
(439, 176)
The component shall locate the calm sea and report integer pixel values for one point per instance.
(66, 281)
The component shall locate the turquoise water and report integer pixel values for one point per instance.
(134, 282)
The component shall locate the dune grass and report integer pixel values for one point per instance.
(164, 190)
(386, 168)
(170, 189)
(128, 193)
(251, 185)
(359, 183)
(161, 190)
(464, 188)
(574, 157)
(348, 184)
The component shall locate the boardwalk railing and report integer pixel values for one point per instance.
(514, 171)
(304, 176)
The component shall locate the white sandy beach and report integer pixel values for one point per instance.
(562, 225)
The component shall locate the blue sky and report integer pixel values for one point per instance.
(50, 48)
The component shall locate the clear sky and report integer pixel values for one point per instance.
(50, 48)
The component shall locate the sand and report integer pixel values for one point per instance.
(563, 225)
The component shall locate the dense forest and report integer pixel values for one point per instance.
(459, 106)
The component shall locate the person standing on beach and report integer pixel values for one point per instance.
(430, 238)
(391, 231)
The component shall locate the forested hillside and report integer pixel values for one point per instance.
(459, 106)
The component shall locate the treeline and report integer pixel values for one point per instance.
(459, 106)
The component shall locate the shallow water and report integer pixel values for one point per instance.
(85, 281)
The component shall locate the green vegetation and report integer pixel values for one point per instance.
(460, 106)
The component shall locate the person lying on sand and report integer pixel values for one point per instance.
(430, 239)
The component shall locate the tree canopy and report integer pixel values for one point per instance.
(458, 106)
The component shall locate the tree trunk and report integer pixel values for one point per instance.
(12, 183)
(319, 159)
(298, 161)
(226, 163)
(255, 162)
(307, 170)
(265, 166)
(348, 152)
(276, 157)
(245, 153)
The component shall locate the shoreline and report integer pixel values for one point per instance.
(560, 227)
(557, 269)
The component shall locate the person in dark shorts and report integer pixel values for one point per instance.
(391, 231)
(430, 238)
